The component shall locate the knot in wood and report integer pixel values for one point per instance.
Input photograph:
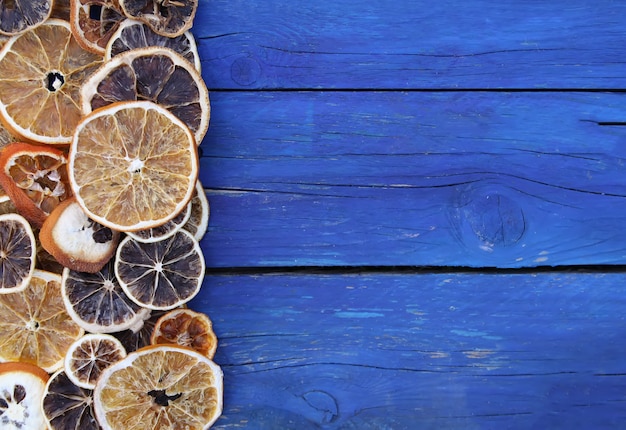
(245, 71)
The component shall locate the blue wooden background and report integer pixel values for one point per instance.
(417, 212)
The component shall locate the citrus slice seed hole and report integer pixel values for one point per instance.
(54, 81)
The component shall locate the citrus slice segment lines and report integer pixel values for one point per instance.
(17, 253)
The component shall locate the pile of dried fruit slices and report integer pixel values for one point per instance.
(102, 109)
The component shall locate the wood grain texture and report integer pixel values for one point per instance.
(411, 44)
(396, 178)
(430, 351)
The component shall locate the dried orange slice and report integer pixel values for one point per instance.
(94, 22)
(35, 327)
(17, 253)
(160, 275)
(89, 356)
(200, 211)
(160, 387)
(76, 241)
(22, 388)
(18, 16)
(133, 34)
(133, 165)
(67, 406)
(96, 301)
(41, 72)
(166, 17)
(157, 74)
(188, 328)
(163, 231)
(35, 178)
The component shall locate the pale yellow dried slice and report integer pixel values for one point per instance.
(160, 387)
(18, 251)
(36, 327)
(22, 387)
(156, 74)
(19, 16)
(160, 275)
(133, 165)
(66, 406)
(41, 72)
(198, 222)
(90, 355)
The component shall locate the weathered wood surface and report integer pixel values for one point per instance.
(429, 44)
(420, 351)
(394, 178)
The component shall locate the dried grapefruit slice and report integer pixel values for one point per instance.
(160, 275)
(41, 72)
(89, 356)
(76, 241)
(133, 165)
(67, 406)
(17, 253)
(35, 178)
(161, 386)
(94, 22)
(157, 74)
(22, 387)
(188, 328)
(166, 17)
(96, 301)
(133, 34)
(18, 16)
(200, 211)
(35, 327)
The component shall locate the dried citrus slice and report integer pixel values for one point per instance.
(35, 178)
(35, 327)
(163, 231)
(133, 34)
(166, 17)
(161, 386)
(157, 74)
(94, 21)
(89, 356)
(160, 275)
(41, 72)
(188, 328)
(61, 9)
(97, 302)
(17, 253)
(22, 387)
(140, 335)
(18, 16)
(199, 220)
(66, 406)
(5, 136)
(76, 241)
(133, 165)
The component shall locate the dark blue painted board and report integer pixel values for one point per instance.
(397, 178)
(456, 351)
(412, 44)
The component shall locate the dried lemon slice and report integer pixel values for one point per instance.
(161, 386)
(89, 356)
(17, 253)
(22, 387)
(133, 165)
(66, 406)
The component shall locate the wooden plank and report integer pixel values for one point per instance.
(391, 178)
(411, 44)
(454, 351)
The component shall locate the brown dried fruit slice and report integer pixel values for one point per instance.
(141, 333)
(200, 211)
(41, 72)
(163, 231)
(35, 327)
(94, 22)
(67, 406)
(22, 387)
(133, 165)
(160, 275)
(186, 327)
(89, 356)
(156, 74)
(76, 241)
(160, 386)
(35, 178)
(17, 253)
(96, 301)
(18, 16)
(133, 34)
(61, 10)
(166, 17)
